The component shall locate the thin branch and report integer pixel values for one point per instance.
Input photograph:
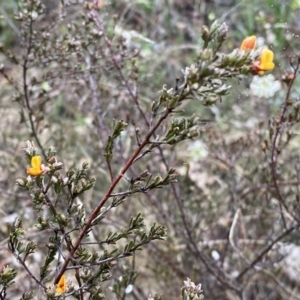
(214, 270)
(109, 191)
(97, 108)
(266, 250)
(26, 90)
(29, 272)
(115, 61)
(274, 153)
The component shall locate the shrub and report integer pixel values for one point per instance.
(115, 166)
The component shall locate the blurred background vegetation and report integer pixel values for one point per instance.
(225, 174)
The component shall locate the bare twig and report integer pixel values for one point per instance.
(28, 271)
(97, 108)
(133, 92)
(274, 153)
(26, 89)
(266, 250)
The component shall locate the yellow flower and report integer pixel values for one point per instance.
(62, 285)
(265, 63)
(248, 43)
(37, 167)
(266, 60)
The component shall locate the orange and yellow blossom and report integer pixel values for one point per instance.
(62, 285)
(37, 168)
(265, 62)
(248, 43)
(98, 5)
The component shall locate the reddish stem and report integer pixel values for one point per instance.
(108, 193)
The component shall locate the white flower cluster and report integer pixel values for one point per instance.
(197, 150)
(264, 86)
(192, 291)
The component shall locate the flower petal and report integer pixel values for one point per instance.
(248, 43)
(34, 171)
(265, 63)
(62, 285)
(36, 162)
(266, 60)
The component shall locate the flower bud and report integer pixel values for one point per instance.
(248, 43)
(20, 182)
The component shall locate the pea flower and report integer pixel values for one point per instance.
(265, 63)
(37, 168)
(248, 43)
(62, 285)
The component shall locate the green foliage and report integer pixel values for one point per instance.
(7, 277)
(119, 127)
(124, 283)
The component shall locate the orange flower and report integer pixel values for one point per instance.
(37, 167)
(62, 285)
(99, 4)
(265, 63)
(248, 43)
